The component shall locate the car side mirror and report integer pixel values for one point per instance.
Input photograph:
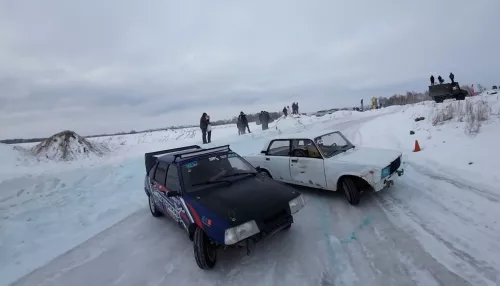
(173, 194)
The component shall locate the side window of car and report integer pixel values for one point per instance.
(173, 183)
(279, 148)
(151, 173)
(161, 173)
(311, 151)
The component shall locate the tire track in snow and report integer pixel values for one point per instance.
(464, 263)
(457, 182)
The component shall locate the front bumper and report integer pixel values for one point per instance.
(267, 229)
(388, 181)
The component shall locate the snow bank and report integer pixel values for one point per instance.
(444, 136)
(68, 145)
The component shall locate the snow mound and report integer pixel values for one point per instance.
(68, 145)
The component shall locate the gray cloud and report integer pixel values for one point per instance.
(104, 66)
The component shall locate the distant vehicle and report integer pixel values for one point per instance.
(440, 92)
(494, 87)
(328, 161)
(217, 197)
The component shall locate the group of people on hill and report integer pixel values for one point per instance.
(441, 80)
(242, 122)
(295, 109)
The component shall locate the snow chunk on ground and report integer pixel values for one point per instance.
(68, 145)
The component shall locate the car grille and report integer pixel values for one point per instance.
(395, 165)
(275, 221)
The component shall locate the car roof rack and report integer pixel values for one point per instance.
(198, 152)
(150, 160)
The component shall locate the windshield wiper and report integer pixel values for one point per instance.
(212, 182)
(239, 174)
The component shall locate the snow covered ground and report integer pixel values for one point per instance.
(437, 226)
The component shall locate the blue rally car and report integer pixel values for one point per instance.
(218, 198)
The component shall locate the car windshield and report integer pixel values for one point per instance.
(333, 143)
(216, 169)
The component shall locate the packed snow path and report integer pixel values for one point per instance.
(331, 243)
(427, 230)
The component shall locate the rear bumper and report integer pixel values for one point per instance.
(388, 181)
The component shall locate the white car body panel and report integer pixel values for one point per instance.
(324, 173)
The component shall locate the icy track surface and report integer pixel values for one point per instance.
(431, 228)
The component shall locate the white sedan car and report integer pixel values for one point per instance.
(328, 161)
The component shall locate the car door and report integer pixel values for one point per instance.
(278, 159)
(175, 205)
(307, 166)
(158, 188)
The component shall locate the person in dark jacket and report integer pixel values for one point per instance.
(452, 78)
(432, 80)
(209, 130)
(239, 125)
(204, 122)
(285, 111)
(440, 79)
(244, 122)
(264, 119)
(296, 108)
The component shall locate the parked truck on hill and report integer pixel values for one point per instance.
(440, 92)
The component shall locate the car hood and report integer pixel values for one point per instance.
(250, 198)
(375, 157)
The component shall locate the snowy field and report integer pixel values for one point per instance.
(87, 222)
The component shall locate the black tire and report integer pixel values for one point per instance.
(264, 173)
(205, 252)
(351, 191)
(438, 99)
(152, 207)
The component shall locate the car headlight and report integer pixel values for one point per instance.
(385, 172)
(240, 232)
(296, 204)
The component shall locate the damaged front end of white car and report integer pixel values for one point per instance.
(385, 177)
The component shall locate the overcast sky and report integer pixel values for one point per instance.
(98, 66)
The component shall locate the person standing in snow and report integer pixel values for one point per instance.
(239, 125)
(209, 130)
(452, 78)
(432, 79)
(285, 112)
(288, 111)
(296, 107)
(361, 104)
(204, 122)
(244, 122)
(264, 119)
(440, 79)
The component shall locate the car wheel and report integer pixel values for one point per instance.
(205, 252)
(152, 207)
(264, 173)
(351, 191)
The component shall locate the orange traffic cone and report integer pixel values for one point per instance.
(417, 147)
